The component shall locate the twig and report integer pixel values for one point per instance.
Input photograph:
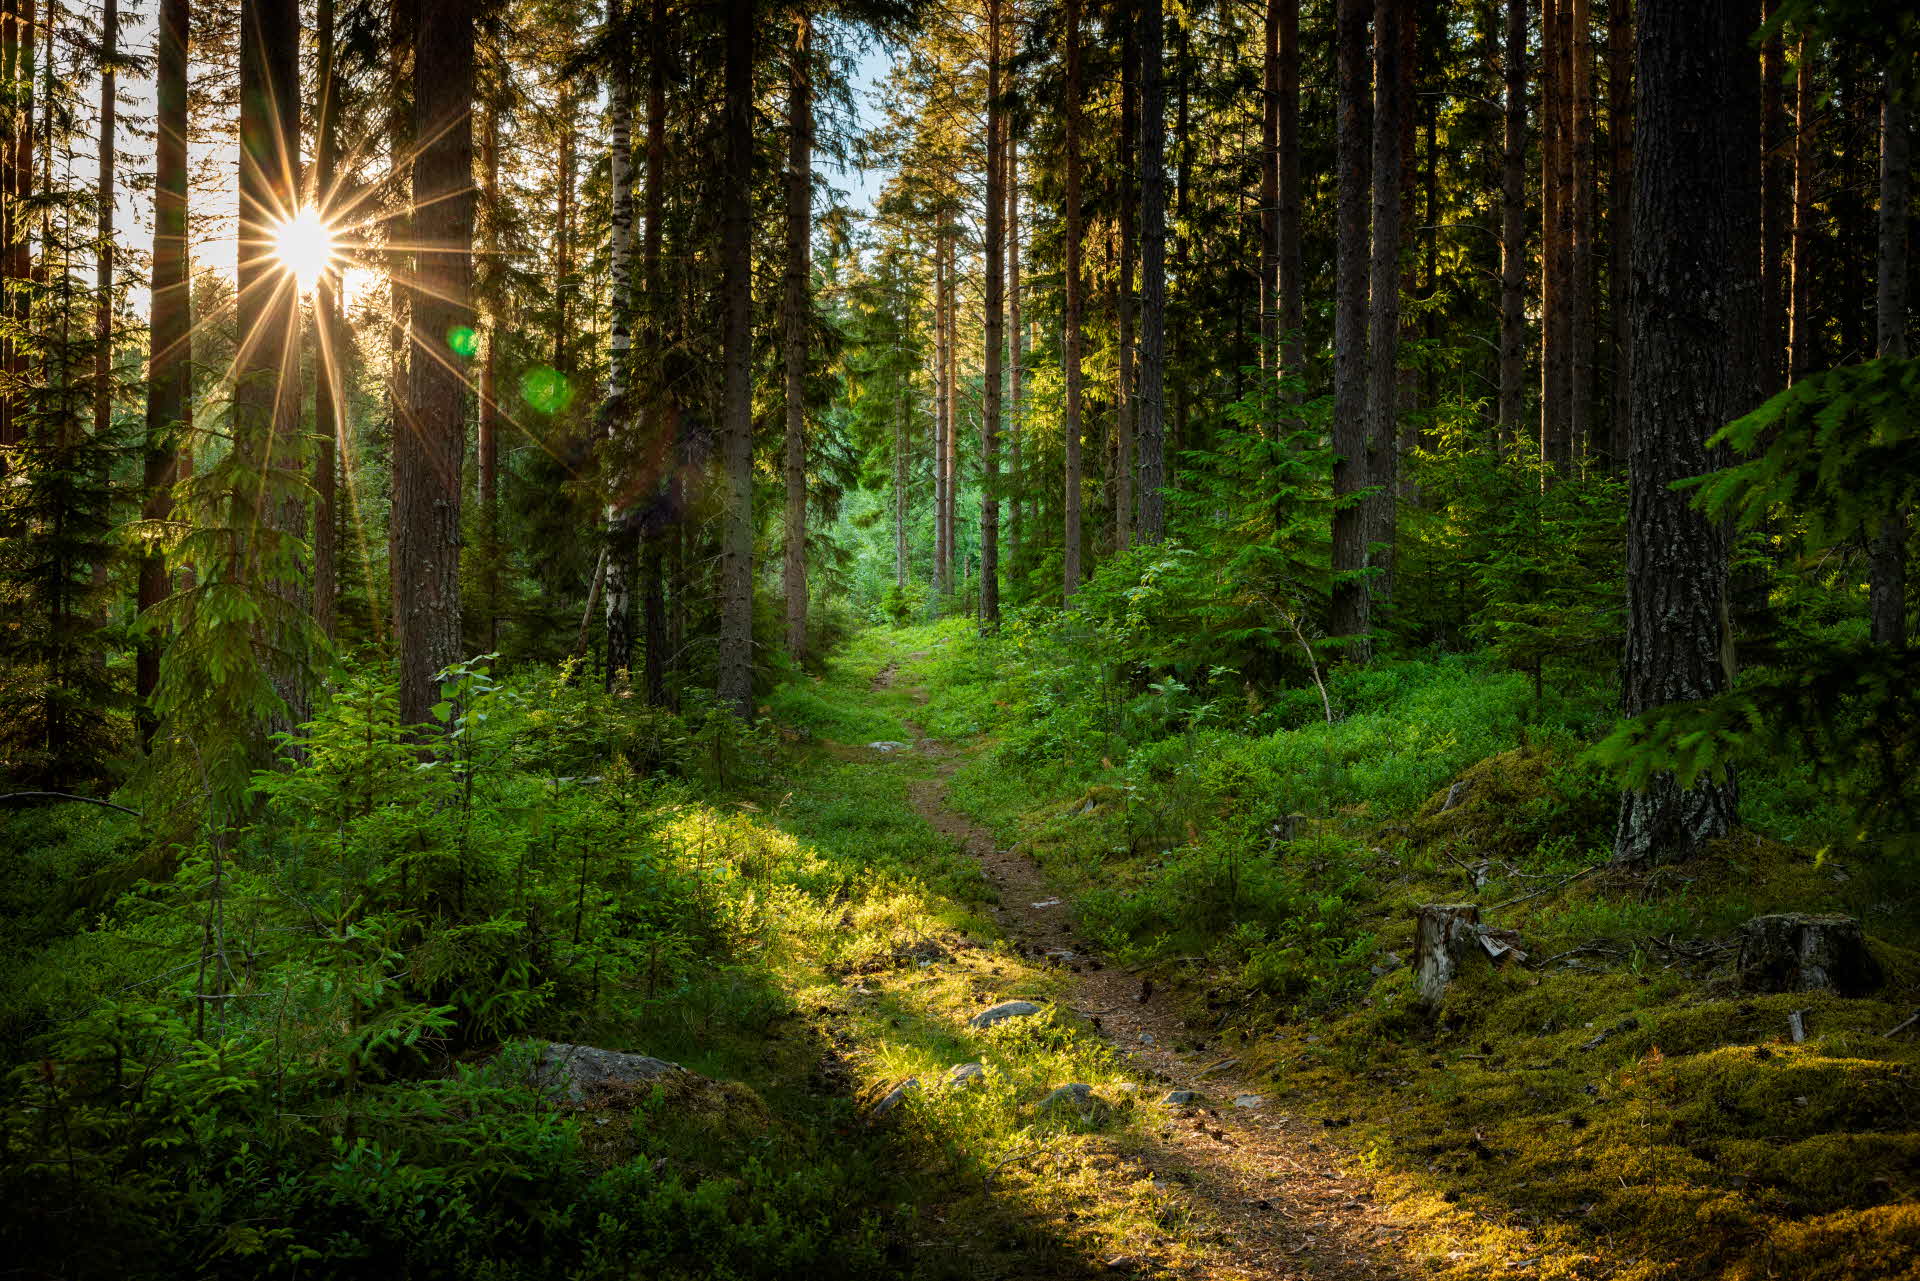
(1903, 1025)
(1549, 888)
(68, 796)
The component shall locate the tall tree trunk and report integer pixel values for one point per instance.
(1620, 269)
(1804, 326)
(329, 420)
(623, 461)
(1288, 270)
(1684, 388)
(1580, 255)
(1513, 228)
(940, 398)
(990, 392)
(734, 677)
(169, 329)
(1270, 327)
(18, 246)
(1776, 209)
(103, 262)
(1390, 109)
(487, 431)
(1887, 593)
(1351, 605)
(796, 312)
(951, 374)
(1016, 349)
(1075, 301)
(266, 397)
(427, 455)
(563, 236)
(902, 433)
(1126, 392)
(1152, 420)
(658, 422)
(1556, 300)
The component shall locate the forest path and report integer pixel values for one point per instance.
(1277, 1191)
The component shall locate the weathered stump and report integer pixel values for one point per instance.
(1445, 934)
(1794, 952)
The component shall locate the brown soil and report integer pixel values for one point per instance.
(1273, 1182)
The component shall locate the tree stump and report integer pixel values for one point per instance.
(1794, 952)
(1445, 934)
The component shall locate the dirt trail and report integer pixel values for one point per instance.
(1271, 1180)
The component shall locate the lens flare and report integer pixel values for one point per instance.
(303, 246)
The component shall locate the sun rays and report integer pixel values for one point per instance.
(303, 246)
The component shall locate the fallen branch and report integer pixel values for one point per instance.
(1548, 889)
(1903, 1025)
(68, 796)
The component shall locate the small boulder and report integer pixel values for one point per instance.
(1077, 1094)
(1795, 952)
(581, 1073)
(893, 1098)
(961, 1074)
(1248, 1101)
(1179, 1098)
(1003, 1011)
(889, 745)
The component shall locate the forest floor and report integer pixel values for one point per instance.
(1614, 1111)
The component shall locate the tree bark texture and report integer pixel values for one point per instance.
(796, 315)
(1351, 596)
(1075, 302)
(1390, 112)
(1513, 228)
(1887, 588)
(1152, 417)
(734, 661)
(995, 289)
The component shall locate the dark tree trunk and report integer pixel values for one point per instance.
(1016, 349)
(1152, 420)
(1688, 181)
(1556, 249)
(658, 421)
(1776, 210)
(266, 404)
(427, 456)
(1270, 358)
(796, 308)
(1289, 271)
(1127, 178)
(1390, 113)
(170, 327)
(329, 421)
(1620, 127)
(941, 557)
(1580, 255)
(1351, 597)
(103, 265)
(487, 430)
(734, 663)
(16, 250)
(1513, 228)
(990, 394)
(1804, 326)
(1075, 301)
(1887, 592)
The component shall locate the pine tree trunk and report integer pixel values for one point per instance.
(1270, 359)
(622, 451)
(103, 264)
(1620, 128)
(940, 557)
(795, 314)
(1350, 615)
(1887, 591)
(1152, 419)
(1016, 350)
(951, 374)
(427, 456)
(1127, 178)
(734, 665)
(1685, 387)
(266, 410)
(1556, 300)
(1075, 301)
(18, 246)
(1803, 325)
(995, 336)
(659, 423)
(487, 430)
(1289, 271)
(1580, 255)
(1383, 314)
(169, 329)
(901, 434)
(1776, 210)
(563, 233)
(1513, 229)
(329, 421)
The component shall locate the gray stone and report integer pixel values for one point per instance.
(965, 1074)
(1248, 1101)
(888, 745)
(894, 1098)
(1077, 1093)
(577, 1073)
(1179, 1098)
(1003, 1011)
